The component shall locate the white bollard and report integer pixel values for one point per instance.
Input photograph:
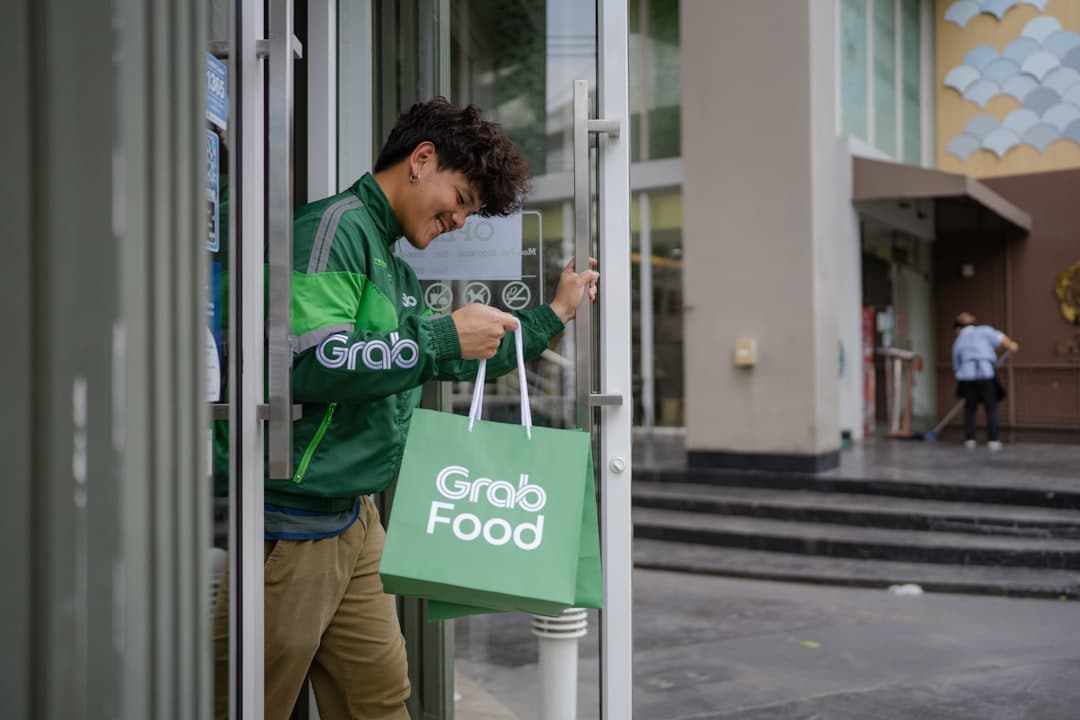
(558, 637)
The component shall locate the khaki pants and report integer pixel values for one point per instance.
(326, 616)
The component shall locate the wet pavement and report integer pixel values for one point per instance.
(1030, 461)
(710, 648)
(715, 648)
(1025, 464)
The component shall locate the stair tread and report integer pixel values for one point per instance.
(1049, 485)
(855, 502)
(711, 559)
(844, 533)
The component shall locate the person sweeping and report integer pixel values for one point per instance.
(975, 355)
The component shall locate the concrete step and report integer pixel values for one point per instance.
(863, 510)
(856, 542)
(976, 487)
(785, 567)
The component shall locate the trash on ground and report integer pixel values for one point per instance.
(813, 645)
(906, 589)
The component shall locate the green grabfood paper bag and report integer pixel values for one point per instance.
(589, 592)
(494, 515)
(492, 518)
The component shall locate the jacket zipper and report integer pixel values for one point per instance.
(314, 444)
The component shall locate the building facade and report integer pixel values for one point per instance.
(853, 174)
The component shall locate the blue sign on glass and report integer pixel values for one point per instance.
(215, 309)
(213, 196)
(217, 96)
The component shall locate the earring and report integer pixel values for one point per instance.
(412, 178)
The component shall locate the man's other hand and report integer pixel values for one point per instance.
(572, 286)
(480, 329)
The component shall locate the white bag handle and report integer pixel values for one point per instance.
(477, 406)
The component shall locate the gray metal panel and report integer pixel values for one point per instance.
(356, 120)
(15, 361)
(75, 541)
(195, 537)
(162, 367)
(132, 356)
(110, 410)
(386, 96)
(410, 80)
(174, 112)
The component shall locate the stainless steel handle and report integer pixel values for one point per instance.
(583, 330)
(279, 228)
(582, 238)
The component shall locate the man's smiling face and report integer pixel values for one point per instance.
(439, 201)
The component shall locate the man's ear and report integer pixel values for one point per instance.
(422, 158)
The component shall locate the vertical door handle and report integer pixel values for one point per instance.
(583, 126)
(279, 228)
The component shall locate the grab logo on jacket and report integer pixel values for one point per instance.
(335, 352)
(497, 493)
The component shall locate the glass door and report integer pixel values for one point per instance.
(554, 74)
(250, 173)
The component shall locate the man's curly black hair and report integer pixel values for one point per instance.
(464, 142)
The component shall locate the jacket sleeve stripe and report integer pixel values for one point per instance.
(324, 236)
(300, 343)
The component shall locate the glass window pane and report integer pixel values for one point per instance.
(665, 79)
(912, 49)
(500, 62)
(853, 68)
(657, 260)
(885, 76)
(518, 61)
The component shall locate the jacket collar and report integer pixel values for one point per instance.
(378, 206)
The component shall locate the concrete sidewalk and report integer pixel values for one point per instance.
(710, 648)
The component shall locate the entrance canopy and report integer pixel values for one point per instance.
(960, 203)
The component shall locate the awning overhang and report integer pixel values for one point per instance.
(879, 180)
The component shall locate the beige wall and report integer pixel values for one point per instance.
(954, 112)
(760, 225)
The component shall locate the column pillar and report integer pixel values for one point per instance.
(760, 232)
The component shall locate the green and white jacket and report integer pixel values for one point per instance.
(364, 342)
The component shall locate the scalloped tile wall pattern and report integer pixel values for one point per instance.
(1040, 69)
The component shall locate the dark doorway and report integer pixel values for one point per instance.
(877, 293)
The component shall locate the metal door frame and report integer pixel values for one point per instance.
(247, 138)
(262, 50)
(615, 467)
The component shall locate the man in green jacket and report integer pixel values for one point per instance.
(363, 344)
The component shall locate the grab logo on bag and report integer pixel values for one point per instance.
(453, 483)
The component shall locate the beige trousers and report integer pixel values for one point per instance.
(326, 616)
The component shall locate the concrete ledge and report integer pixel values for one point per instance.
(772, 462)
(783, 567)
